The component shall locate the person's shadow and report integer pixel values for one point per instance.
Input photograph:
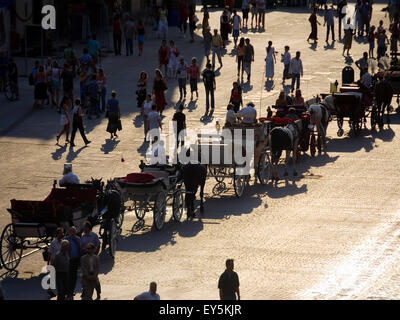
(269, 85)
(329, 46)
(109, 146)
(73, 154)
(313, 46)
(191, 106)
(138, 121)
(56, 155)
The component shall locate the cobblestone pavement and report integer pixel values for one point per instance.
(330, 234)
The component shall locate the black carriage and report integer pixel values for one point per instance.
(154, 195)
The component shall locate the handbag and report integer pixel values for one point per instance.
(119, 125)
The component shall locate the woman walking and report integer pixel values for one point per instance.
(64, 121)
(236, 97)
(313, 21)
(173, 60)
(206, 17)
(101, 82)
(348, 38)
(141, 31)
(40, 86)
(114, 116)
(141, 90)
(270, 61)
(194, 74)
(77, 123)
(240, 56)
(55, 84)
(159, 87)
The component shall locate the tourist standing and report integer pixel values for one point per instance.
(93, 92)
(296, 70)
(228, 283)
(154, 124)
(382, 41)
(207, 40)
(192, 22)
(130, 33)
(90, 265)
(371, 41)
(141, 31)
(348, 38)
(149, 295)
(64, 120)
(362, 63)
(329, 22)
(206, 17)
(40, 79)
(173, 60)
(94, 49)
(159, 87)
(270, 61)
(240, 52)
(341, 15)
(395, 33)
(236, 25)
(224, 27)
(245, 12)
(180, 119)
(253, 8)
(210, 87)
(313, 21)
(217, 44)
(146, 109)
(101, 83)
(366, 12)
(13, 76)
(117, 35)
(261, 13)
(114, 115)
(286, 64)
(74, 260)
(194, 74)
(86, 60)
(141, 89)
(248, 58)
(236, 97)
(53, 250)
(163, 56)
(182, 76)
(61, 264)
(77, 123)
(163, 22)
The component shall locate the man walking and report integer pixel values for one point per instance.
(217, 44)
(236, 25)
(90, 272)
(296, 69)
(130, 33)
(228, 283)
(74, 260)
(61, 264)
(329, 22)
(286, 64)
(210, 86)
(149, 295)
(182, 75)
(248, 58)
(77, 123)
(341, 15)
(180, 119)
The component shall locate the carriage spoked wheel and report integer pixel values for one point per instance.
(239, 182)
(215, 172)
(140, 209)
(177, 205)
(11, 248)
(159, 210)
(113, 237)
(340, 126)
(219, 188)
(264, 171)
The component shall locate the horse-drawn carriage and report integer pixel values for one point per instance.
(151, 189)
(224, 148)
(34, 223)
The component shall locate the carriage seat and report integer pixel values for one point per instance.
(156, 173)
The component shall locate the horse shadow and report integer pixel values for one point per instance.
(269, 85)
(350, 143)
(109, 145)
(289, 188)
(385, 134)
(56, 155)
(72, 155)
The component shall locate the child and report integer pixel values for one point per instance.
(194, 74)
(371, 41)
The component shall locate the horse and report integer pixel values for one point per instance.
(286, 138)
(383, 96)
(194, 176)
(319, 117)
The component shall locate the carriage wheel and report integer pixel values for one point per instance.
(159, 210)
(264, 170)
(219, 188)
(312, 144)
(218, 171)
(340, 126)
(239, 182)
(11, 248)
(140, 209)
(113, 235)
(177, 205)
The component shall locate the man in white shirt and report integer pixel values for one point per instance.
(249, 114)
(236, 24)
(149, 295)
(146, 109)
(286, 63)
(296, 69)
(154, 124)
(68, 176)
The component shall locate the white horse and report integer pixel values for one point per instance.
(319, 117)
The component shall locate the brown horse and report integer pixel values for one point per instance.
(383, 96)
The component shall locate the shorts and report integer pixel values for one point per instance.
(141, 39)
(371, 45)
(193, 85)
(55, 84)
(245, 13)
(253, 10)
(261, 11)
(235, 33)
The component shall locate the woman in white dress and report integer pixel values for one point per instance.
(270, 61)
(173, 59)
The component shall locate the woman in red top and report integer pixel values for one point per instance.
(159, 87)
(117, 35)
(236, 97)
(163, 56)
(194, 73)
